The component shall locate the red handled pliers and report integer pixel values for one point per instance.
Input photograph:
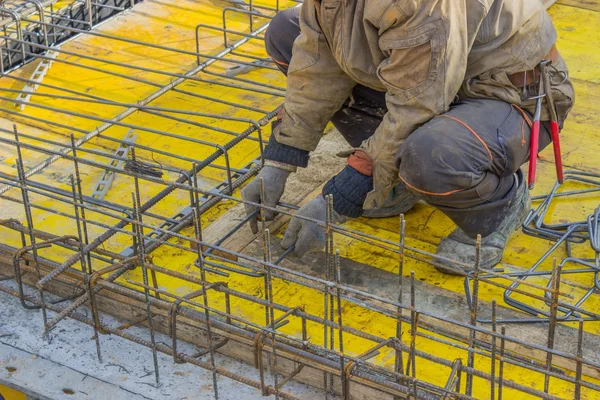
(544, 91)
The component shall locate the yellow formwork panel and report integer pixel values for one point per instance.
(11, 394)
(165, 24)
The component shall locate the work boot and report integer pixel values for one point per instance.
(460, 247)
(399, 201)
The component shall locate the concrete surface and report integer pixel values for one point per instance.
(64, 365)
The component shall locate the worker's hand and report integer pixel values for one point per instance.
(274, 180)
(305, 235)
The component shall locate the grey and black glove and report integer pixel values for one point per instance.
(280, 161)
(308, 236)
(349, 189)
(274, 181)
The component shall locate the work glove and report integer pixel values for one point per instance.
(305, 235)
(274, 181)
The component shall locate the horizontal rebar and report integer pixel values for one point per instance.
(326, 285)
(39, 167)
(186, 76)
(221, 325)
(338, 229)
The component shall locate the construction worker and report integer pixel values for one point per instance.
(434, 96)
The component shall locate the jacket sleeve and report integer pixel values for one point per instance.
(316, 86)
(422, 75)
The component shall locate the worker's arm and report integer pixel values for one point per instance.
(316, 88)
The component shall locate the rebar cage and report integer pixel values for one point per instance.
(134, 147)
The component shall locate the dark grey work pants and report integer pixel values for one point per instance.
(462, 163)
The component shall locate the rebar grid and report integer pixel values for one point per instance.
(565, 235)
(331, 288)
(27, 20)
(102, 275)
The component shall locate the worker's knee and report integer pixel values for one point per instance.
(431, 163)
(280, 35)
(272, 39)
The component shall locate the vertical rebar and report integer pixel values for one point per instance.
(40, 9)
(269, 317)
(331, 278)
(18, 276)
(398, 362)
(325, 341)
(262, 213)
(195, 203)
(80, 193)
(459, 376)
(474, 309)
(8, 50)
(493, 353)
(53, 28)
(501, 366)
(579, 367)
(173, 328)
(88, 5)
(77, 199)
(552, 321)
(264, 245)
(271, 306)
(29, 217)
(411, 368)
(18, 27)
(211, 350)
(328, 342)
(338, 282)
(142, 260)
(251, 8)
(155, 283)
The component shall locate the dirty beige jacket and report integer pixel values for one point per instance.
(423, 53)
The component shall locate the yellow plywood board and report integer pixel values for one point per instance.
(154, 23)
(11, 394)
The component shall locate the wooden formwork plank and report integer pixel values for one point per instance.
(132, 309)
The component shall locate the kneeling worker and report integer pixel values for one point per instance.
(435, 97)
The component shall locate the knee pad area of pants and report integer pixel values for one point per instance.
(431, 163)
(281, 33)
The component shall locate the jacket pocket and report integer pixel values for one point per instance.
(305, 50)
(493, 84)
(564, 99)
(414, 59)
